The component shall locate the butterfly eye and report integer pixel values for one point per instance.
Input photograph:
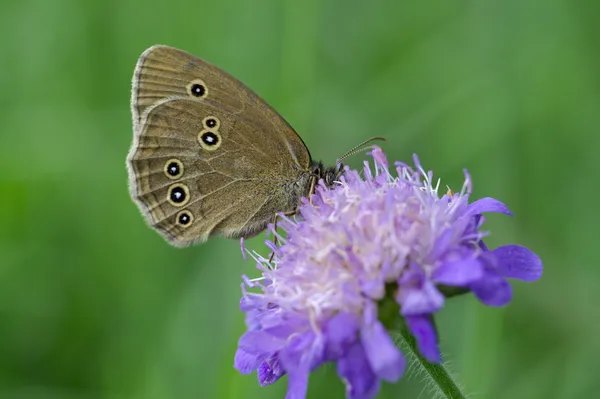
(184, 218)
(211, 122)
(173, 168)
(209, 140)
(178, 195)
(197, 88)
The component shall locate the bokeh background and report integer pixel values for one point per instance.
(93, 304)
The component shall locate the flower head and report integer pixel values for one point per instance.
(367, 241)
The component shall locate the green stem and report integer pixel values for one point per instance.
(439, 379)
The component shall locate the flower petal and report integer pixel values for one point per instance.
(492, 290)
(270, 371)
(458, 272)
(355, 370)
(302, 353)
(304, 348)
(379, 157)
(341, 331)
(246, 362)
(420, 300)
(444, 241)
(248, 302)
(487, 205)
(385, 359)
(257, 342)
(424, 332)
(298, 383)
(518, 262)
(243, 248)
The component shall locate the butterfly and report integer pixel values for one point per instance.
(209, 156)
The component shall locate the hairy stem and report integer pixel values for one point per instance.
(438, 378)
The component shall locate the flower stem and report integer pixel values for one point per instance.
(439, 380)
(437, 377)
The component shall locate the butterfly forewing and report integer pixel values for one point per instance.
(209, 156)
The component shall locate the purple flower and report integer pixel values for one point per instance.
(367, 241)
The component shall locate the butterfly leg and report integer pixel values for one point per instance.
(311, 191)
(276, 241)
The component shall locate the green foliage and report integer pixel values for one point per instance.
(93, 304)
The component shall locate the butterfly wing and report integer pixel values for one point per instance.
(209, 156)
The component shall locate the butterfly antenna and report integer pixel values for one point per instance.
(359, 148)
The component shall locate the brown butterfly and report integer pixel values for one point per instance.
(209, 156)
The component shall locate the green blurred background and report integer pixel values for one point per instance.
(93, 304)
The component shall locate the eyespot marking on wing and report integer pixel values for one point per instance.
(184, 218)
(209, 140)
(173, 168)
(197, 88)
(178, 194)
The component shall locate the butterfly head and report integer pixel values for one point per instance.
(330, 175)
